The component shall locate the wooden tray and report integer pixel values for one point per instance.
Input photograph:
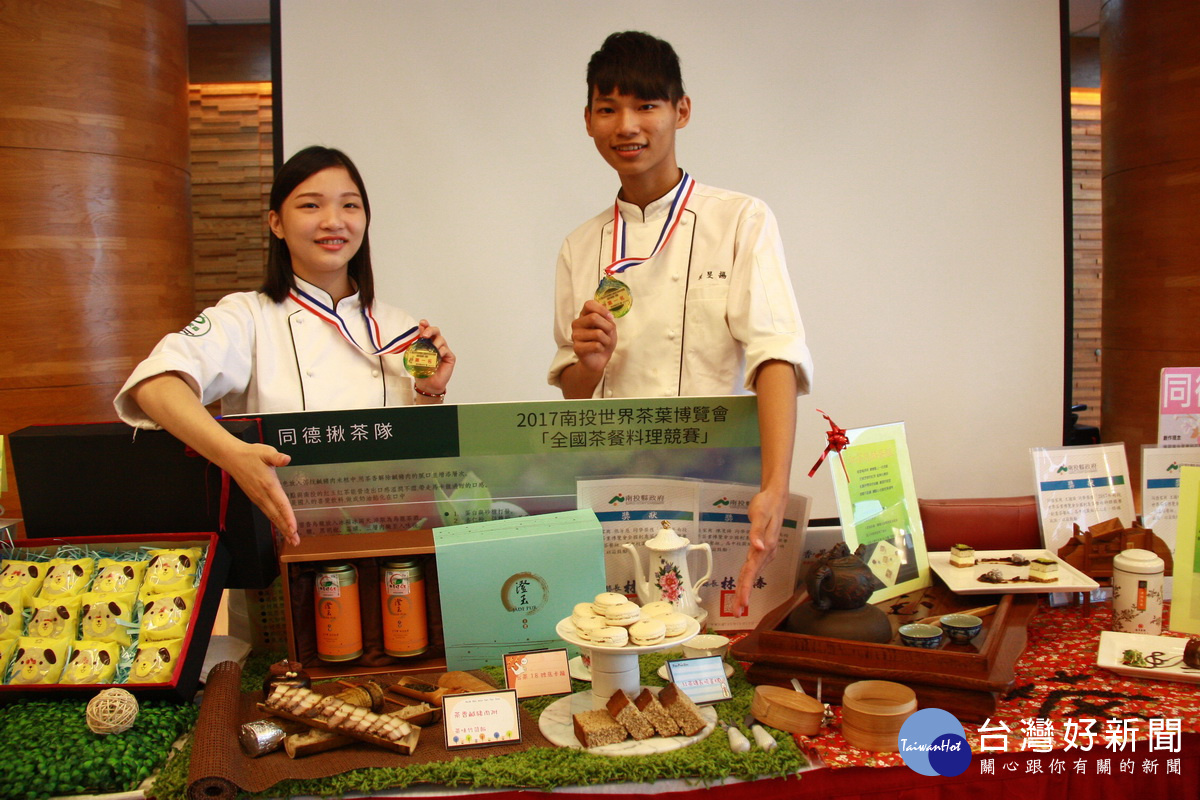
(962, 679)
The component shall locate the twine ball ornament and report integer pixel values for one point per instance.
(112, 711)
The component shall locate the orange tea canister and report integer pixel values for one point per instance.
(339, 621)
(405, 631)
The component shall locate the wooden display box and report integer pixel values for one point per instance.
(186, 678)
(962, 679)
(366, 551)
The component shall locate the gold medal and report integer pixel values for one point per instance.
(614, 295)
(421, 359)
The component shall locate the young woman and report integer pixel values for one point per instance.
(312, 338)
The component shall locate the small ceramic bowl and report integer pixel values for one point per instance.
(962, 628)
(706, 644)
(916, 634)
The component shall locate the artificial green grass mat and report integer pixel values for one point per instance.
(48, 750)
(707, 762)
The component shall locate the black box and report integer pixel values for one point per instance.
(109, 479)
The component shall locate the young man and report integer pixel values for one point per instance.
(699, 272)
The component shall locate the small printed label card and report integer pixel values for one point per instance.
(702, 679)
(536, 673)
(481, 719)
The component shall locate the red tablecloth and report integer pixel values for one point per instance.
(1057, 686)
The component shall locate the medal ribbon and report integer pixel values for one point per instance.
(620, 263)
(315, 306)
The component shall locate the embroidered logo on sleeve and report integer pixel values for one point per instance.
(197, 327)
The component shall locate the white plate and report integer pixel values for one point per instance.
(665, 674)
(965, 580)
(557, 724)
(579, 670)
(1169, 648)
(566, 631)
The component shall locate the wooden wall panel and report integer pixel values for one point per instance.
(1151, 194)
(232, 168)
(94, 231)
(1087, 249)
(229, 53)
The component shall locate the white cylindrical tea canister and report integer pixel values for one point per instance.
(1137, 583)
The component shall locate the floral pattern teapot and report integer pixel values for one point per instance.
(666, 576)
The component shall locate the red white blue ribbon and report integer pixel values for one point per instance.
(378, 348)
(620, 262)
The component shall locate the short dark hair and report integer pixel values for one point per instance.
(303, 165)
(635, 63)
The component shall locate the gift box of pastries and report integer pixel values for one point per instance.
(84, 614)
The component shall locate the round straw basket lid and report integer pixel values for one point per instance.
(872, 713)
(787, 710)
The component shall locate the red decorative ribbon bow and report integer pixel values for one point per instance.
(837, 440)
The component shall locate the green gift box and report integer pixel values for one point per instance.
(505, 584)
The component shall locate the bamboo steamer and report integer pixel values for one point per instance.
(874, 711)
(787, 710)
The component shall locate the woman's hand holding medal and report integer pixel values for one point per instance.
(430, 361)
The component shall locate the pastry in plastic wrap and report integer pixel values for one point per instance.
(38, 660)
(24, 575)
(119, 576)
(165, 616)
(171, 570)
(54, 618)
(12, 614)
(91, 662)
(155, 661)
(66, 577)
(107, 617)
(7, 648)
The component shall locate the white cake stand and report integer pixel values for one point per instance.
(616, 668)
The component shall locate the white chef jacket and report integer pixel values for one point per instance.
(256, 355)
(708, 310)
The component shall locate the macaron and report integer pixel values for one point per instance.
(675, 622)
(610, 637)
(647, 631)
(658, 608)
(606, 599)
(623, 614)
(589, 625)
(583, 611)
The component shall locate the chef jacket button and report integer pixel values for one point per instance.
(671, 335)
(676, 276)
(685, 221)
(309, 373)
(374, 373)
(297, 320)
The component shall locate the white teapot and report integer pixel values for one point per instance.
(667, 577)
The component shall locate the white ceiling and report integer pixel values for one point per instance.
(1084, 14)
(228, 12)
(1084, 17)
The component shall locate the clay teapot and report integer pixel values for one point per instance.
(841, 580)
(839, 587)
